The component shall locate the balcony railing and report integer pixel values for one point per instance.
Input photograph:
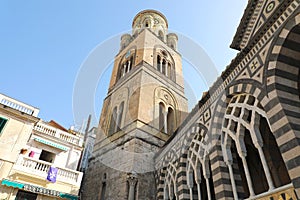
(40, 168)
(57, 133)
(17, 105)
(283, 192)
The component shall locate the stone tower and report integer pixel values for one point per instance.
(145, 104)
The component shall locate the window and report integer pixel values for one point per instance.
(164, 65)
(113, 118)
(161, 35)
(2, 123)
(147, 24)
(125, 67)
(166, 119)
(47, 156)
(116, 119)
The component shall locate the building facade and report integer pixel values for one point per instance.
(241, 141)
(39, 159)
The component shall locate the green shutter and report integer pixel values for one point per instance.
(2, 123)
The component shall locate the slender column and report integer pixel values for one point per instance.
(124, 69)
(190, 183)
(208, 187)
(266, 168)
(171, 194)
(229, 161)
(199, 191)
(248, 177)
(129, 65)
(165, 122)
(191, 193)
(198, 182)
(166, 193)
(258, 143)
(235, 195)
(167, 68)
(161, 61)
(206, 175)
(132, 180)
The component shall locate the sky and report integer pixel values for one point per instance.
(44, 45)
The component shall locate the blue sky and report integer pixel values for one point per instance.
(44, 43)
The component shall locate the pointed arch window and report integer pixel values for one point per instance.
(112, 125)
(166, 119)
(116, 119)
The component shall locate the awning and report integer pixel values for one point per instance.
(13, 184)
(68, 196)
(38, 190)
(53, 144)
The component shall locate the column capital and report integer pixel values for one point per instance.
(132, 179)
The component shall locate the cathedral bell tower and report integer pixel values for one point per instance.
(145, 104)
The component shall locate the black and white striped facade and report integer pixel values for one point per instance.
(242, 140)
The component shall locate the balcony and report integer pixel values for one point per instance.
(17, 105)
(44, 128)
(40, 169)
(283, 192)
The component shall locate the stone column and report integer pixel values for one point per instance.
(132, 180)
(190, 183)
(198, 181)
(234, 190)
(229, 161)
(243, 153)
(166, 192)
(165, 121)
(206, 175)
(124, 70)
(129, 65)
(258, 143)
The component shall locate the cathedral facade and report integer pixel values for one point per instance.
(241, 141)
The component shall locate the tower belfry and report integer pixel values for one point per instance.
(145, 104)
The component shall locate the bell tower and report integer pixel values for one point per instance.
(145, 104)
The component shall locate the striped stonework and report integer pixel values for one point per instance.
(220, 175)
(267, 70)
(283, 108)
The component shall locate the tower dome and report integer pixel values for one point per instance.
(152, 20)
